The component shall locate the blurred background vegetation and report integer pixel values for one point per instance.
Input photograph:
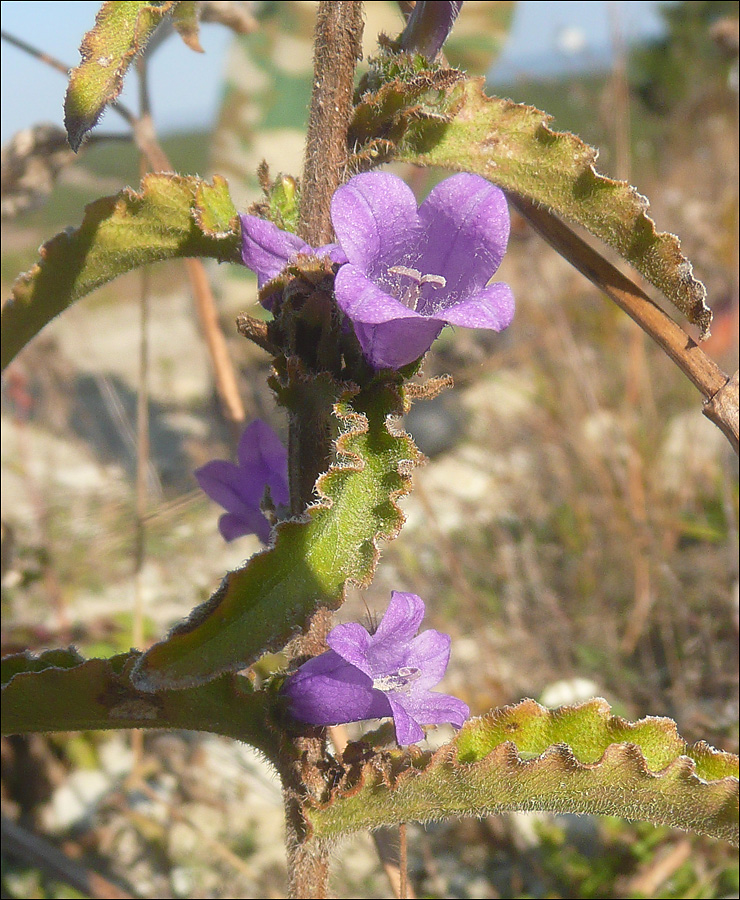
(576, 528)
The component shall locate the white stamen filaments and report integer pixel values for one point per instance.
(410, 295)
(398, 681)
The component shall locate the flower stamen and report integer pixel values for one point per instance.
(397, 681)
(411, 294)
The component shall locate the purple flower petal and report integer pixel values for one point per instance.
(466, 221)
(372, 675)
(433, 708)
(327, 690)
(408, 730)
(398, 342)
(223, 482)
(402, 619)
(236, 525)
(266, 249)
(360, 298)
(492, 307)
(262, 453)
(263, 463)
(375, 219)
(430, 653)
(351, 642)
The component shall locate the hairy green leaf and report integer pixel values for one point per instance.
(60, 691)
(262, 605)
(172, 217)
(121, 31)
(576, 759)
(437, 118)
(10, 666)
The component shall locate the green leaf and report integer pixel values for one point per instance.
(172, 217)
(10, 666)
(456, 126)
(576, 759)
(60, 691)
(122, 30)
(262, 605)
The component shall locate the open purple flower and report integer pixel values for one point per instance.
(412, 271)
(388, 673)
(404, 272)
(267, 250)
(240, 489)
(428, 26)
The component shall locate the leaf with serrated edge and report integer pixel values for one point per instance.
(510, 144)
(524, 757)
(60, 658)
(262, 605)
(60, 691)
(171, 217)
(121, 31)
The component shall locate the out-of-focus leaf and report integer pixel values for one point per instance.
(436, 120)
(572, 760)
(172, 217)
(31, 161)
(122, 30)
(234, 14)
(262, 605)
(185, 22)
(60, 691)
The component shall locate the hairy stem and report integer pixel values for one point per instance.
(337, 48)
(302, 777)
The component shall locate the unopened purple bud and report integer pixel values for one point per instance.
(428, 27)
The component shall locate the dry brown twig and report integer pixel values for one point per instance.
(720, 391)
(19, 842)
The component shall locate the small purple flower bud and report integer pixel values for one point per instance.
(240, 489)
(370, 676)
(428, 27)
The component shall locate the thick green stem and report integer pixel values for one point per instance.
(336, 51)
(309, 447)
